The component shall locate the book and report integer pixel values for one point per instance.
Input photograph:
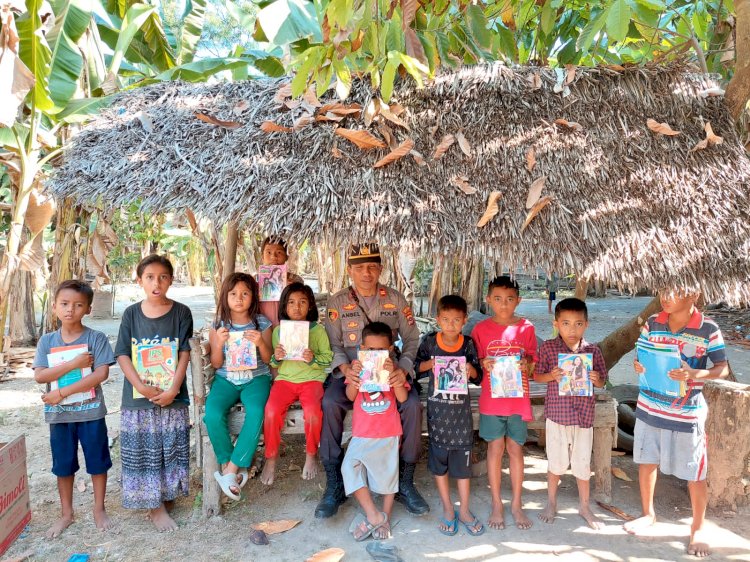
(294, 335)
(657, 360)
(271, 282)
(450, 375)
(240, 354)
(576, 380)
(506, 379)
(63, 354)
(373, 376)
(155, 364)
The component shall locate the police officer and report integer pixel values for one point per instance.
(349, 311)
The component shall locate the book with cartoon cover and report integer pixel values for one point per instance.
(374, 377)
(506, 378)
(155, 364)
(450, 375)
(271, 282)
(576, 380)
(294, 335)
(657, 360)
(240, 354)
(63, 354)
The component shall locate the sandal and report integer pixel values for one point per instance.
(226, 481)
(242, 473)
(365, 528)
(471, 526)
(452, 525)
(383, 533)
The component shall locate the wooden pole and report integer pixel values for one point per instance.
(230, 249)
(582, 289)
(623, 339)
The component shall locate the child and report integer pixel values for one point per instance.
(570, 419)
(82, 421)
(274, 251)
(503, 421)
(155, 422)
(371, 460)
(238, 311)
(551, 286)
(449, 419)
(297, 380)
(670, 434)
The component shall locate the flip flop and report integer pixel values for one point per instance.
(382, 552)
(225, 482)
(452, 525)
(469, 526)
(368, 528)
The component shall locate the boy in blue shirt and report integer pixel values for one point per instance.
(78, 418)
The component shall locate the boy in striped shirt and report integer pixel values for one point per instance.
(670, 433)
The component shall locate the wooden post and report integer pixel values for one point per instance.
(601, 463)
(199, 395)
(582, 288)
(211, 488)
(623, 339)
(230, 249)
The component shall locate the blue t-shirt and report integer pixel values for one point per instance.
(87, 410)
(242, 377)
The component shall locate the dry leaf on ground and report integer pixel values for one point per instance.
(386, 112)
(340, 108)
(661, 128)
(285, 91)
(620, 473)
(397, 109)
(271, 127)
(327, 555)
(218, 122)
(535, 210)
(535, 81)
(336, 152)
(241, 106)
(572, 125)
(530, 159)
(275, 527)
(418, 158)
(372, 109)
(303, 121)
(463, 143)
(570, 73)
(403, 149)
(711, 138)
(443, 146)
(535, 191)
(330, 117)
(462, 183)
(388, 135)
(362, 139)
(311, 98)
(491, 210)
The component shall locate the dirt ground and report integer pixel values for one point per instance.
(225, 538)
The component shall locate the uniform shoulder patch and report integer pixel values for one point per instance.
(383, 292)
(409, 315)
(350, 306)
(333, 314)
(352, 324)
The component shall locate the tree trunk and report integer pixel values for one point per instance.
(582, 289)
(21, 303)
(622, 340)
(230, 249)
(728, 438)
(738, 90)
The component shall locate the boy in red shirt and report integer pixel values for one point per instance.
(503, 421)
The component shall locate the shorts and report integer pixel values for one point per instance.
(492, 427)
(552, 295)
(569, 445)
(455, 462)
(677, 453)
(371, 463)
(64, 439)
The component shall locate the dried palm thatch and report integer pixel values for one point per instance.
(620, 202)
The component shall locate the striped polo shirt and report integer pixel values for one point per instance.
(698, 342)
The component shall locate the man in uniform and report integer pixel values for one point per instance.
(349, 311)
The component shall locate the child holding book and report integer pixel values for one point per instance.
(503, 421)
(570, 419)
(449, 418)
(371, 460)
(670, 434)
(274, 252)
(297, 380)
(238, 311)
(154, 420)
(81, 421)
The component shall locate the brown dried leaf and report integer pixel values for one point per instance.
(700, 145)
(443, 146)
(362, 139)
(326, 29)
(418, 158)
(530, 158)
(535, 191)
(414, 46)
(330, 117)
(341, 108)
(303, 121)
(241, 106)
(386, 112)
(711, 139)
(275, 527)
(408, 11)
(661, 128)
(388, 135)
(620, 473)
(285, 91)
(372, 109)
(292, 104)
(463, 143)
(32, 256)
(397, 109)
(535, 210)
(327, 555)
(570, 73)
(336, 152)
(357, 41)
(615, 67)
(491, 210)
(572, 125)
(462, 183)
(535, 81)
(271, 127)
(39, 212)
(403, 149)
(218, 122)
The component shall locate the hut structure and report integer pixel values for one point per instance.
(620, 202)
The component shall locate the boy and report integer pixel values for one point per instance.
(371, 460)
(274, 252)
(81, 421)
(551, 286)
(670, 434)
(570, 419)
(503, 421)
(449, 417)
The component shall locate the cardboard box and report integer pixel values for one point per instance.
(15, 507)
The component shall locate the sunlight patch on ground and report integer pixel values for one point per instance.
(471, 553)
(603, 555)
(14, 399)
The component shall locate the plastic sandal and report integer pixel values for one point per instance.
(452, 525)
(368, 528)
(242, 473)
(225, 482)
(470, 526)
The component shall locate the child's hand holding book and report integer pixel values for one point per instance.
(308, 356)
(279, 353)
(82, 361)
(557, 374)
(684, 373)
(596, 379)
(352, 373)
(252, 335)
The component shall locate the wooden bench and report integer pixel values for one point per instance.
(605, 429)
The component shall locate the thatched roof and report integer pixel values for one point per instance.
(630, 207)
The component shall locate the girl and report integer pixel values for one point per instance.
(154, 426)
(297, 380)
(274, 252)
(238, 310)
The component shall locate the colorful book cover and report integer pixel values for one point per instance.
(271, 281)
(576, 380)
(240, 354)
(294, 335)
(63, 354)
(374, 376)
(506, 379)
(155, 364)
(658, 359)
(450, 375)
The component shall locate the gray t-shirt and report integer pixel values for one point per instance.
(176, 326)
(98, 346)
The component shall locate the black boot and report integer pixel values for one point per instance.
(407, 492)
(334, 495)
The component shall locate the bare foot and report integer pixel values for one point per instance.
(636, 526)
(697, 546)
(161, 519)
(102, 520)
(310, 470)
(522, 522)
(548, 515)
(169, 505)
(59, 526)
(382, 533)
(497, 517)
(591, 520)
(269, 471)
